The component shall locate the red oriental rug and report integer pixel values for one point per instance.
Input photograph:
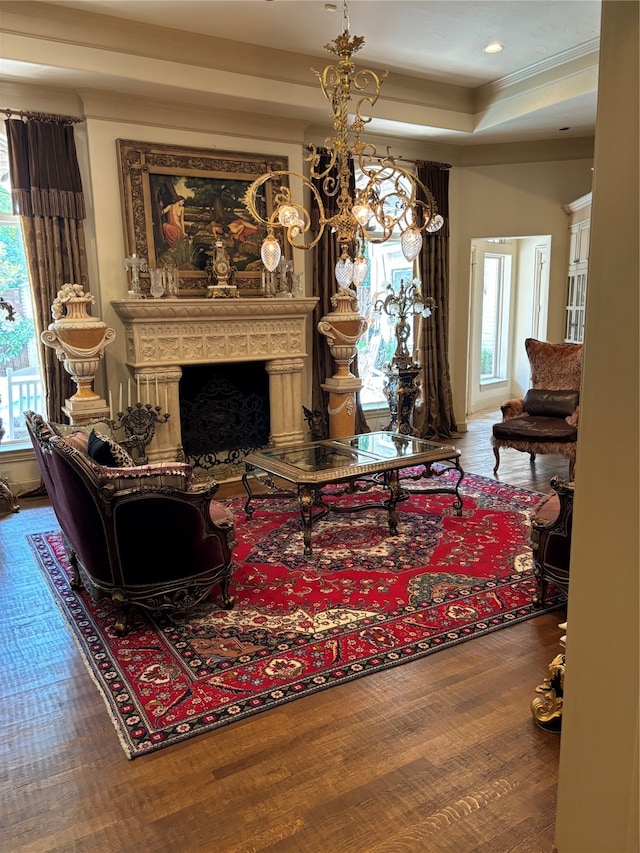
(361, 603)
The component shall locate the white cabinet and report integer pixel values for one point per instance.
(578, 269)
(579, 248)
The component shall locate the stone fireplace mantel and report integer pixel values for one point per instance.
(163, 335)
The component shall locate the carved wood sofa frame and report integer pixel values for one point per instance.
(155, 546)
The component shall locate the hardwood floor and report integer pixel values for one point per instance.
(440, 755)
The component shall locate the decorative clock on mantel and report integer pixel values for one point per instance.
(220, 270)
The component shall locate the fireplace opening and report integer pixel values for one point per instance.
(224, 412)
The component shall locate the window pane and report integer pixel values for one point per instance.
(377, 346)
(491, 309)
(20, 381)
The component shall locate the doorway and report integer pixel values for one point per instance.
(509, 282)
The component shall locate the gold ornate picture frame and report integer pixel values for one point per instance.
(178, 202)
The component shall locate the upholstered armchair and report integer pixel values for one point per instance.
(546, 419)
(143, 535)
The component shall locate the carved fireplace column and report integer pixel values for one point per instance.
(161, 387)
(285, 399)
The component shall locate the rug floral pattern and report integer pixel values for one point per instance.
(362, 602)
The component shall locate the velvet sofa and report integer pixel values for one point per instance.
(143, 536)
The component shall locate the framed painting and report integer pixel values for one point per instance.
(178, 202)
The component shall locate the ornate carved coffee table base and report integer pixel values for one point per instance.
(358, 463)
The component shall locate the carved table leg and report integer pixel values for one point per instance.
(305, 501)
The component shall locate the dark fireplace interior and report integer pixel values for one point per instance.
(224, 412)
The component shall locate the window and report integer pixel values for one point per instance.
(376, 348)
(495, 317)
(20, 380)
(387, 265)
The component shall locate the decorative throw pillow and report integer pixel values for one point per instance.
(79, 440)
(106, 451)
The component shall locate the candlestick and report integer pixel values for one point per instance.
(120, 399)
(138, 389)
(110, 407)
(129, 393)
(166, 399)
(157, 395)
(147, 389)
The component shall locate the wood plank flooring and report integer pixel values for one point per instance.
(440, 755)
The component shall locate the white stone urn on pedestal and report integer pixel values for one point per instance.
(79, 341)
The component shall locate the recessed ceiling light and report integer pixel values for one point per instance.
(331, 7)
(494, 47)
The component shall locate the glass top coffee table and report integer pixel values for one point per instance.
(361, 462)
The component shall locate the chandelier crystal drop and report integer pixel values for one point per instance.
(436, 224)
(270, 252)
(344, 271)
(360, 270)
(411, 242)
(389, 198)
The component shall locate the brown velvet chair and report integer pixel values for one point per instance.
(141, 536)
(546, 419)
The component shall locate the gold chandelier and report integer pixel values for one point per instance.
(389, 198)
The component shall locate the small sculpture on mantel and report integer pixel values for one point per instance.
(220, 273)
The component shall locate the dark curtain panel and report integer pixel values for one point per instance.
(326, 254)
(433, 415)
(47, 195)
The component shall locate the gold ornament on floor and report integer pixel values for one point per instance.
(547, 707)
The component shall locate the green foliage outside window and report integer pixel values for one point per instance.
(486, 362)
(14, 336)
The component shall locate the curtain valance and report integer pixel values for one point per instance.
(45, 177)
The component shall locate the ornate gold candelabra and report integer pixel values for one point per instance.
(400, 388)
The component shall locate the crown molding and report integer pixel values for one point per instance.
(578, 204)
(545, 65)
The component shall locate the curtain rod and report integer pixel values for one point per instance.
(433, 163)
(51, 117)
